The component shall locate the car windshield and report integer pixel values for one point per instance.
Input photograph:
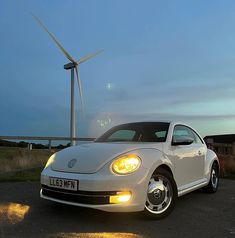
(136, 132)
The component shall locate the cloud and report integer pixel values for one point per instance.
(206, 124)
(159, 97)
(166, 116)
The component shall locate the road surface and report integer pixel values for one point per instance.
(24, 214)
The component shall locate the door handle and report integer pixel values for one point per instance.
(199, 152)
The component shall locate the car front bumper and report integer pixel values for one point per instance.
(95, 190)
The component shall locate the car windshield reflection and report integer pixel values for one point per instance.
(137, 132)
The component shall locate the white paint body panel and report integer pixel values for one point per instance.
(190, 170)
(93, 156)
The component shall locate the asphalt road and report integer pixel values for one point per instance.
(24, 214)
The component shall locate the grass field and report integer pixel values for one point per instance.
(18, 159)
(21, 164)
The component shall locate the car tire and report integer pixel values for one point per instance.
(212, 186)
(161, 194)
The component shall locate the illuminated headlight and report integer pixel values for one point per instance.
(126, 164)
(50, 161)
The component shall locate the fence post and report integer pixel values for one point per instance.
(233, 149)
(30, 146)
(49, 145)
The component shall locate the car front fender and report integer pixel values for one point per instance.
(153, 158)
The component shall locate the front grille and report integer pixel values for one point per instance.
(83, 197)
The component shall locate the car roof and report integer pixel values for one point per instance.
(152, 121)
(142, 122)
(171, 123)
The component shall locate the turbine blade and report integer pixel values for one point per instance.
(89, 56)
(54, 39)
(80, 89)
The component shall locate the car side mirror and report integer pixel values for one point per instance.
(182, 140)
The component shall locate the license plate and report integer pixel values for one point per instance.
(68, 184)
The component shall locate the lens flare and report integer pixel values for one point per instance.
(104, 122)
(109, 86)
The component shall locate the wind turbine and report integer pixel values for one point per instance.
(72, 65)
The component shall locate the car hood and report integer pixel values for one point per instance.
(89, 158)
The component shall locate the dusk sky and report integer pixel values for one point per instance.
(162, 60)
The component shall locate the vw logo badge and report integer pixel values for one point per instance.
(71, 163)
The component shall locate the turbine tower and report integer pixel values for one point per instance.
(72, 65)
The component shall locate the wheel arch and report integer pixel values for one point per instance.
(216, 162)
(211, 158)
(165, 167)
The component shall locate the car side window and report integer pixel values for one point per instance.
(181, 131)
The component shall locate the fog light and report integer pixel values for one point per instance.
(120, 197)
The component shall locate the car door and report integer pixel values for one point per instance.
(189, 159)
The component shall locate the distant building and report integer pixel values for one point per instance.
(221, 144)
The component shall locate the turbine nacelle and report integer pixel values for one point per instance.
(70, 65)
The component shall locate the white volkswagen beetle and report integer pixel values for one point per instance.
(142, 166)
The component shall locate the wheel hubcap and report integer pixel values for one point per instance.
(214, 178)
(159, 195)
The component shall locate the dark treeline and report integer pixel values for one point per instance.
(23, 144)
